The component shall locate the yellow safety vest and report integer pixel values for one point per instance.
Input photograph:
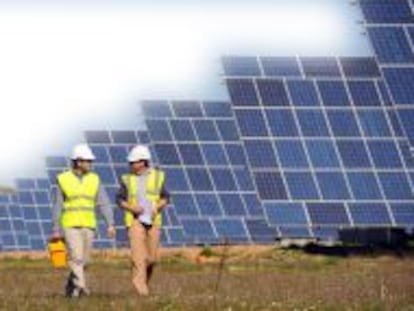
(79, 199)
(154, 185)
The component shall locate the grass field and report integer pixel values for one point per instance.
(269, 279)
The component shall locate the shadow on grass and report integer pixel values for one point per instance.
(402, 251)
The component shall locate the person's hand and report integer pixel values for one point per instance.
(111, 232)
(136, 209)
(133, 208)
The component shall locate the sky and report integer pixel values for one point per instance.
(71, 66)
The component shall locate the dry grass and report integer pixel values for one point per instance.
(269, 279)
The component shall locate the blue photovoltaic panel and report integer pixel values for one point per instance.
(333, 93)
(231, 229)
(182, 130)
(291, 154)
(370, 214)
(286, 214)
(97, 137)
(242, 92)
(217, 109)
(241, 66)
(124, 137)
(400, 82)
(374, 123)
(327, 214)
(280, 66)
(364, 93)
(303, 93)
(261, 153)
(190, 154)
(282, 123)
(270, 186)
(403, 213)
(208, 204)
(251, 122)
(322, 153)
(320, 67)
(272, 92)
(312, 123)
(333, 186)
(212, 177)
(390, 28)
(364, 186)
(353, 153)
(206, 130)
(187, 109)
(13, 231)
(347, 136)
(391, 44)
(343, 123)
(387, 11)
(360, 67)
(301, 186)
(156, 109)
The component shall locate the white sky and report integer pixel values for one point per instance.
(66, 69)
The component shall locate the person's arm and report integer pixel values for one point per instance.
(122, 200)
(164, 199)
(104, 205)
(57, 212)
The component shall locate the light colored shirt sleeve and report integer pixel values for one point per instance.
(104, 206)
(57, 209)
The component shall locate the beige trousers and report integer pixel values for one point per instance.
(79, 245)
(144, 242)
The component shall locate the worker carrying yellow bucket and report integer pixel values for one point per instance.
(57, 253)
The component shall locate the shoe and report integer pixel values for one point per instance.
(70, 287)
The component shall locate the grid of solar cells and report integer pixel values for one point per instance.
(213, 196)
(320, 140)
(34, 198)
(13, 231)
(390, 26)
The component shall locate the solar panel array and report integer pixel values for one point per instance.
(13, 230)
(323, 142)
(303, 148)
(198, 145)
(390, 26)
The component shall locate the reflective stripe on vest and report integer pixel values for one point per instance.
(155, 181)
(79, 199)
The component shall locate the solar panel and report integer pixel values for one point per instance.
(303, 93)
(390, 28)
(272, 92)
(336, 143)
(386, 11)
(320, 67)
(280, 66)
(328, 214)
(360, 67)
(13, 230)
(333, 93)
(391, 44)
(241, 66)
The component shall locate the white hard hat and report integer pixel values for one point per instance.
(82, 152)
(138, 153)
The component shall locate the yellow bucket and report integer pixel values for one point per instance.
(57, 252)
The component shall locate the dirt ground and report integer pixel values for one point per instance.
(259, 278)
